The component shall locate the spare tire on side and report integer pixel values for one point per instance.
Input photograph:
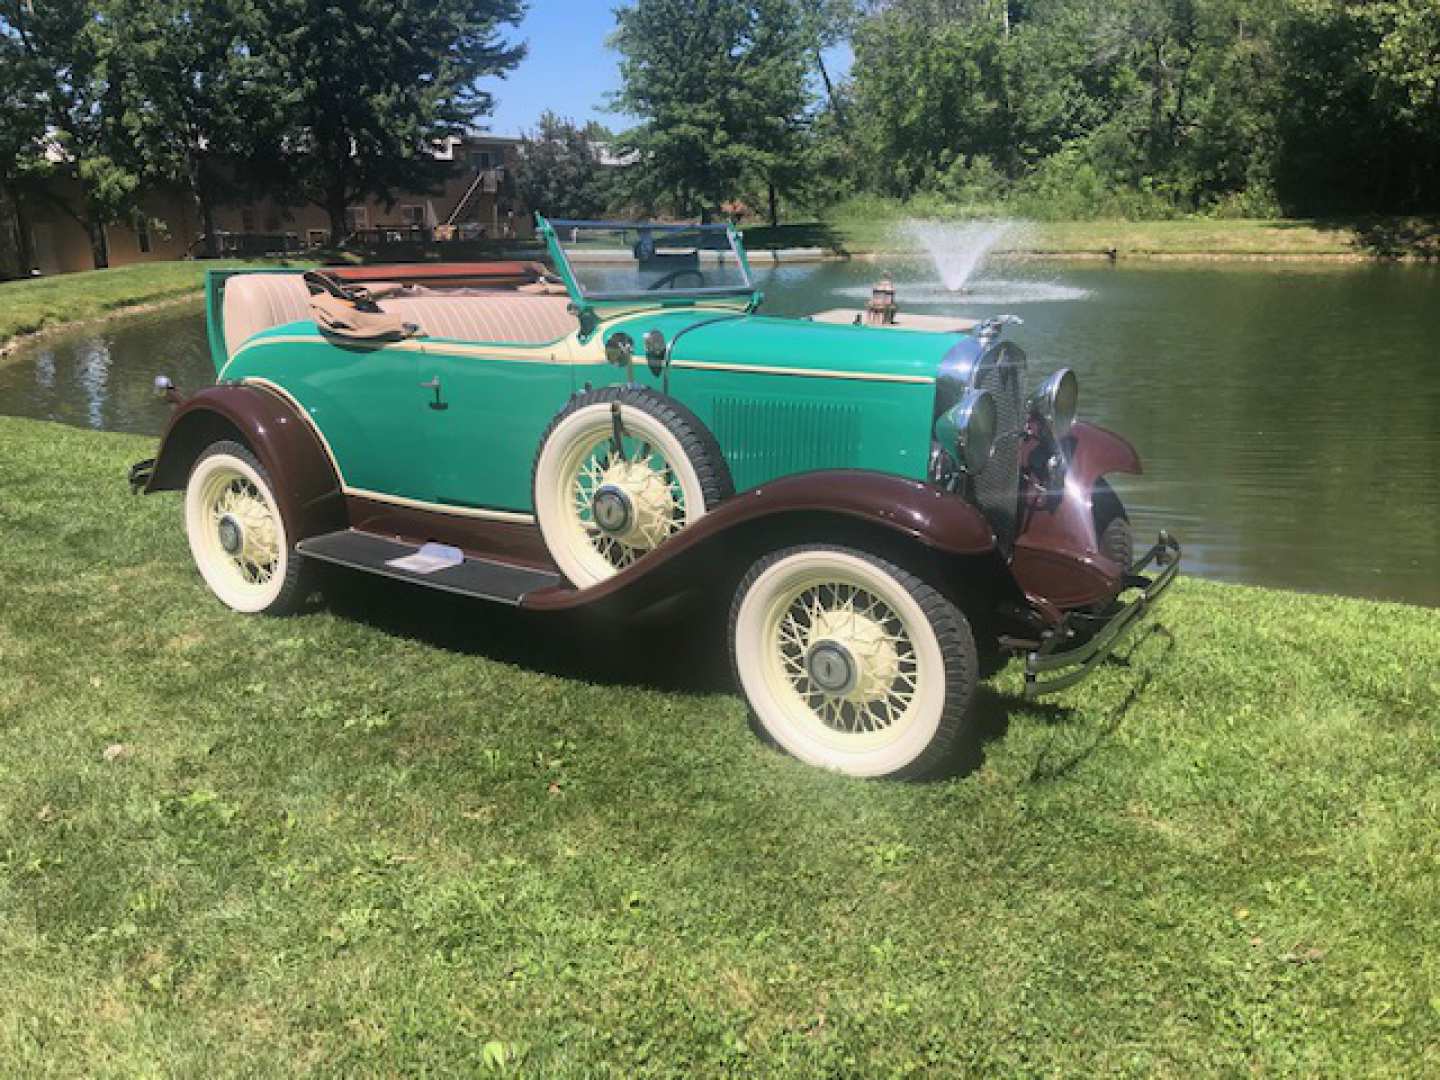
(619, 471)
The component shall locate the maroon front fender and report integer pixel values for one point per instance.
(286, 444)
(1057, 554)
(917, 511)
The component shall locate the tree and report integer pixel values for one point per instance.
(194, 107)
(720, 85)
(559, 172)
(63, 43)
(371, 85)
(22, 137)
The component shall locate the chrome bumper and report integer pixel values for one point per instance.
(1078, 645)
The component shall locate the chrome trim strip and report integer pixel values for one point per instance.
(810, 373)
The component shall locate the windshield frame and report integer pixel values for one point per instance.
(550, 229)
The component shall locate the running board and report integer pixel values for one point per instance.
(501, 582)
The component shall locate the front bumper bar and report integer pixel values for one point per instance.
(1059, 663)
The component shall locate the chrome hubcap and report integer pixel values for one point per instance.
(232, 535)
(612, 510)
(831, 667)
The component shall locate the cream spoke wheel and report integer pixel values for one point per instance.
(237, 534)
(619, 473)
(850, 662)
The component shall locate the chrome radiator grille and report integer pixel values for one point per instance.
(1002, 372)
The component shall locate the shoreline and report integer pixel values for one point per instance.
(781, 256)
(19, 342)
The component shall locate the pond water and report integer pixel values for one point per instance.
(1288, 415)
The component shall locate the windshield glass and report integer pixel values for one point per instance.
(627, 261)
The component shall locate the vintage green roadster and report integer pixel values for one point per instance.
(885, 512)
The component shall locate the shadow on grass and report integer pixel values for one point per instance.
(1391, 237)
(1050, 765)
(607, 652)
(689, 638)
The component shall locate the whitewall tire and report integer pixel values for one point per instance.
(237, 534)
(619, 471)
(851, 663)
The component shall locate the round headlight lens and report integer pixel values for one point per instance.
(1055, 403)
(969, 427)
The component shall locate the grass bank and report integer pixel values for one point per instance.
(30, 306)
(384, 838)
(870, 225)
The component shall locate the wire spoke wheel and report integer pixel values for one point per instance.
(852, 663)
(621, 471)
(237, 534)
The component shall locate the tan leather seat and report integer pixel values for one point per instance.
(256, 302)
(523, 320)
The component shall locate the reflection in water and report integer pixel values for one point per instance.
(103, 378)
(1288, 415)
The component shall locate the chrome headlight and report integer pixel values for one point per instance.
(969, 426)
(1054, 404)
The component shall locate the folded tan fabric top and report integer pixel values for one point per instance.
(343, 318)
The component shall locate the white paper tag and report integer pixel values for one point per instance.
(428, 559)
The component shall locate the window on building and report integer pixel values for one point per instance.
(483, 159)
(142, 233)
(247, 220)
(413, 216)
(357, 218)
(316, 237)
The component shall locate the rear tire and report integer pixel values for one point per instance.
(853, 664)
(237, 535)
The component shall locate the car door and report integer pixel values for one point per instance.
(487, 407)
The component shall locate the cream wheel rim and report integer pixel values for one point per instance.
(236, 533)
(840, 663)
(603, 505)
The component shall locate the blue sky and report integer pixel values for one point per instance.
(568, 69)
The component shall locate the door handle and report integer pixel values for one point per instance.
(434, 384)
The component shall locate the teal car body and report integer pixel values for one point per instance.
(889, 511)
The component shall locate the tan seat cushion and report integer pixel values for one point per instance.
(529, 320)
(256, 302)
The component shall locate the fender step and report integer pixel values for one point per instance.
(483, 579)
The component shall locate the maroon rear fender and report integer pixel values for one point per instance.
(909, 508)
(299, 466)
(1057, 554)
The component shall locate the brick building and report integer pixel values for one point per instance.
(476, 202)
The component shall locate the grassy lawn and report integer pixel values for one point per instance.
(390, 837)
(870, 225)
(27, 306)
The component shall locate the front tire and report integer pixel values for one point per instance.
(853, 664)
(238, 536)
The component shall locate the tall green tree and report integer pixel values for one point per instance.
(370, 85)
(22, 139)
(195, 107)
(721, 88)
(64, 43)
(558, 171)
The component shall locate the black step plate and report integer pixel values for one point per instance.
(502, 582)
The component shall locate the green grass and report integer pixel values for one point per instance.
(394, 836)
(34, 304)
(870, 225)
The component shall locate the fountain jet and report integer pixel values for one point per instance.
(957, 248)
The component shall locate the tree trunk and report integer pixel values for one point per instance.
(774, 205)
(24, 237)
(835, 105)
(335, 208)
(207, 226)
(99, 246)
